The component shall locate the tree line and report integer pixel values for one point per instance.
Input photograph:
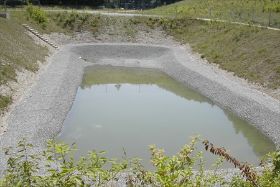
(127, 4)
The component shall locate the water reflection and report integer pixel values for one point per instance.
(133, 108)
(116, 75)
(260, 143)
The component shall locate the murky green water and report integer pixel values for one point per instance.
(127, 108)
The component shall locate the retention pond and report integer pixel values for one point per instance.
(119, 109)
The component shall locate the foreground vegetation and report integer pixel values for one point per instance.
(60, 169)
(263, 12)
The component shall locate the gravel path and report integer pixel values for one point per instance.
(40, 114)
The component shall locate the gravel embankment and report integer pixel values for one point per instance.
(40, 115)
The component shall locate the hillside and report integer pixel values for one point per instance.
(258, 12)
(249, 52)
(17, 52)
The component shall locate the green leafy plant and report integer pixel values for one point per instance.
(74, 21)
(56, 166)
(21, 166)
(178, 170)
(37, 14)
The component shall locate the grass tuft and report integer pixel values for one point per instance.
(4, 102)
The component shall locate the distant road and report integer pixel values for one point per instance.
(238, 23)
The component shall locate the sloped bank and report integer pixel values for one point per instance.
(40, 115)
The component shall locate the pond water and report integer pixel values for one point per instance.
(119, 109)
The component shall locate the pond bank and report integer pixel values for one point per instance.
(40, 114)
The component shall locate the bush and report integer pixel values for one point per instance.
(272, 6)
(95, 169)
(76, 22)
(37, 14)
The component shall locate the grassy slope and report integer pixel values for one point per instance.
(234, 10)
(71, 22)
(251, 53)
(17, 52)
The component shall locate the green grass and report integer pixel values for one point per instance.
(248, 11)
(61, 22)
(71, 21)
(75, 22)
(249, 52)
(4, 102)
(21, 17)
(17, 50)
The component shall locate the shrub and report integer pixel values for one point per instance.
(76, 22)
(272, 6)
(60, 169)
(37, 14)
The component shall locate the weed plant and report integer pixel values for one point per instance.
(37, 14)
(60, 169)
